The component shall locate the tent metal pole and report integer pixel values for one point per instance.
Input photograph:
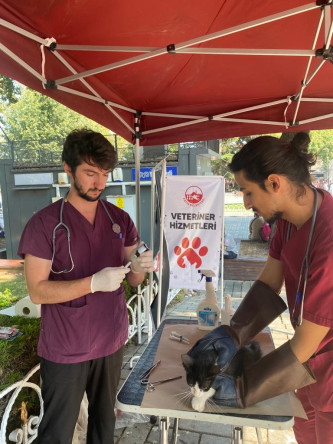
(315, 119)
(137, 192)
(100, 48)
(216, 119)
(152, 246)
(151, 274)
(304, 82)
(160, 277)
(20, 62)
(248, 52)
(175, 116)
(96, 99)
(188, 43)
(114, 112)
(314, 72)
(251, 108)
(137, 172)
(248, 25)
(111, 66)
(21, 31)
(328, 24)
(86, 84)
(260, 122)
(317, 99)
(218, 116)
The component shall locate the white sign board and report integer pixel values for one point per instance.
(193, 227)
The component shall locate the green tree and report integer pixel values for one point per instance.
(125, 149)
(322, 145)
(37, 126)
(9, 90)
(228, 147)
(36, 117)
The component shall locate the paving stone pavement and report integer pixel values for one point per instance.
(195, 432)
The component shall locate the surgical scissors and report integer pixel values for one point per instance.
(145, 375)
(151, 385)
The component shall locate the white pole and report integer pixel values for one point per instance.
(149, 296)
(137, 192)
(163, 184)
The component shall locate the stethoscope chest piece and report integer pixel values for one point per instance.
(116, 228)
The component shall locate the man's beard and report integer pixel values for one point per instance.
(275, 216)
(85, 196)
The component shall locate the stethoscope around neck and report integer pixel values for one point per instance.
(299, 298)
(61, 224)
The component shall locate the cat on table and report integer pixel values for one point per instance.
(202, 369)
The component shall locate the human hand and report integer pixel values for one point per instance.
(144, 263)
(108, 279)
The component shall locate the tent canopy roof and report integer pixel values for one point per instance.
(189, 70)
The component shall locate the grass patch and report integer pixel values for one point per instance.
(12, 288)
(235, 207)
(17, 358)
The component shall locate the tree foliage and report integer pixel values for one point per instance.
(228, 147)
(37, 117)
(9, 91)
(33, 122)
(36, 124)
(321, 144)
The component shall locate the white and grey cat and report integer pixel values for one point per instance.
(202, 369)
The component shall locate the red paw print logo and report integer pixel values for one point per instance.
(188, 254)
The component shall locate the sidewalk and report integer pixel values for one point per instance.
(194, 432)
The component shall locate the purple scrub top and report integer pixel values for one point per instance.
(94, 325)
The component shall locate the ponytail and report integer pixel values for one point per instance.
(267, 155)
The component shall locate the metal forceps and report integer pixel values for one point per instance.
(145, 375)
(151, 385)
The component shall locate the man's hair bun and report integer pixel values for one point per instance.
(301, 142)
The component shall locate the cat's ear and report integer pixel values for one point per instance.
(187, 361)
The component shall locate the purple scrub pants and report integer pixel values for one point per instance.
(318, 428)
(63, 387)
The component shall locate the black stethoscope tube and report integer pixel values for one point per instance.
(299, 298)
(115, 228)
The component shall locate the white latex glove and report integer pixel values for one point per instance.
(142, 264)
(108, 279)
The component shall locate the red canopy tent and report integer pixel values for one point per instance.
(179, 70)
(189, 70)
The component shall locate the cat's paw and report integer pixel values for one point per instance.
(198, 404)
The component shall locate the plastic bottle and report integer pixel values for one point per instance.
(227, 311)
(208, 312)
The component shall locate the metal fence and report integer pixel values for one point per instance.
(47, 152)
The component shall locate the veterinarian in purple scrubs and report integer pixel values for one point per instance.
(75, 251)
(274, 177)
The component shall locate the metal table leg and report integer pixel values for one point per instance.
(163, 431)
(175, 431)
(259, 436)
(237, 435)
